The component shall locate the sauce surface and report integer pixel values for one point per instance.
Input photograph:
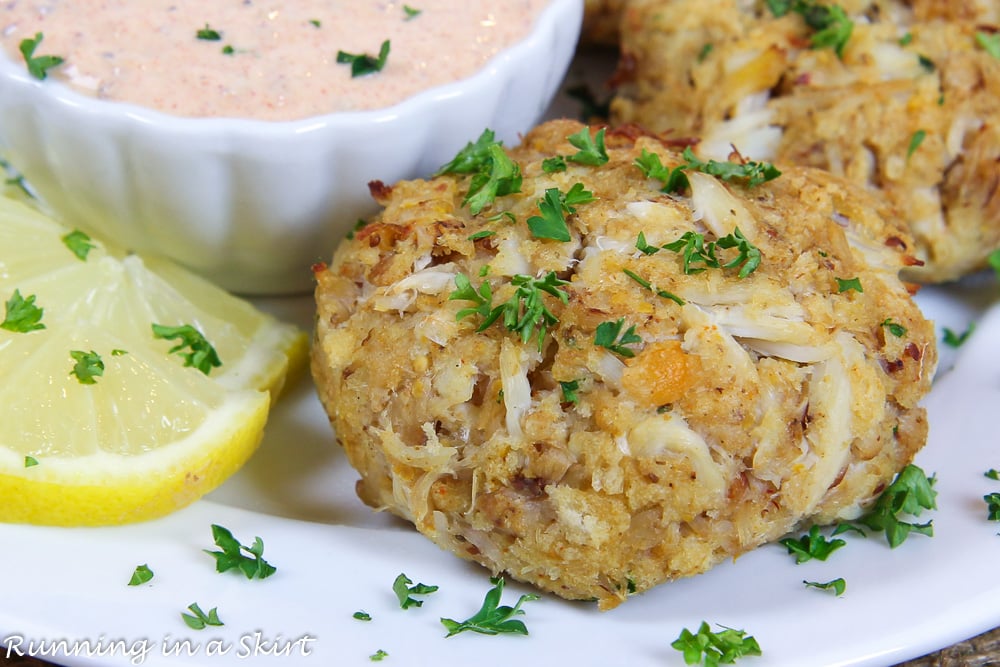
(273, 60)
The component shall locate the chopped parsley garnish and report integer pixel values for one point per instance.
(590, 106)
(411, 12)
(30, 461)
(831, 24)
(501, 176)
(361, 616)
(751, 173)
(553, 165)
(208, 34)
(78, 243)
(141, 575)
(88, 366)
(475, 157)
(492, 619)
(118, 352)
(404, 591)
(993, 259)
(232, 557)
(915, 141)
(554, 207)
(315, 23)
(952, 339)
(910, 494)
(812, 545)
(896, 329)
(713, 648)
(569, 390)
(609, 335)
(705, 50)
(201, 355)
(926, 63)
(228, 50)
(481, 234)
(838, 585)
(648, 285)
(199, 620)
(848, 284)
(992, 506)
(38, 66)
(591, 150)
(362, 63)
(906, 39)
(993, 474)
(21, 314)
(694, 250)
(990, 43)
(525, 313)
(378, 656)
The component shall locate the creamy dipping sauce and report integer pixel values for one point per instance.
(273, 60)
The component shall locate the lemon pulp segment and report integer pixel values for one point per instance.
(146, 434)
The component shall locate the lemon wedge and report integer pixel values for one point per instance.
(130, 386)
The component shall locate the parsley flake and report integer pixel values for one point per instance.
(910, 494)
(554, 165)
(705, 50)
(411, 13)
(554, 207)
(712, 648)
(525, 313)
(609, 335)
(993, 259)
(591, 150)
(78, 243)
(569, 390)
(315, 23)
(38, 66)
(750, 173)
(812, 545)
(492, 619)
(201, 356)
(838, 585)
(992, 506)
(906, 39)
(231, 557)
(208, 34)
(141, 575)
(378, 656)
(896, 329)
(361, 616)
(915, 141)
(848, 284)
(22, 315)
(363, 64)
(989, 43)
(694, 250)
(498, 176)
(199, 620)
(993, 474)
(953, 339)
(88, 366)
(30, 461)
(648, 285)
(590, 106)
(404, 591)
(832, 25)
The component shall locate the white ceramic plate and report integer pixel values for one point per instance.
(335, 557)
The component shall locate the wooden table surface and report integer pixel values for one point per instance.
(981, 651)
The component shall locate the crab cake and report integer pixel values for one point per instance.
(597, 386)
(600, 21)
(898, 96)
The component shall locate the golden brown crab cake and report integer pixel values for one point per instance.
(906, 105)
(600, 21)
(596, 386)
